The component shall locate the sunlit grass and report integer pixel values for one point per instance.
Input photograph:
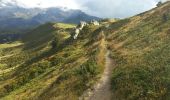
(141, 52)
(9, 45)
(64, 26)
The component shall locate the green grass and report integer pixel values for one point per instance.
(141, 52)
(56, 73)
(9, 45)
(139, 45)
(64, 26)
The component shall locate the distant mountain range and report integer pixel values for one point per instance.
(16, 19)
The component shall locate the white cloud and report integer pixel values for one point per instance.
(118, 8)
(49, 3)
(101, 8)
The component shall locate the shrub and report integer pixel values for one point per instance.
(165, 17)
(57, 60)
(57, 40)
(90, 68)
(159, 4)
(54, 43)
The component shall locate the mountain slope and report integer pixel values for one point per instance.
(45, 71)
(49, 64)
(140, 47)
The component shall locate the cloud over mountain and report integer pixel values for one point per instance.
(100, 8)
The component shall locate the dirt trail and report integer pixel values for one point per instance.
(102, 90)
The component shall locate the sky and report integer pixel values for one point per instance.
(100, 8)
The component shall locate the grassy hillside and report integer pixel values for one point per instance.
(141, 48)
(47, 63)
(34, 43)
(37, 69)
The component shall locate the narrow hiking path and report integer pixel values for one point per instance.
(102, 90)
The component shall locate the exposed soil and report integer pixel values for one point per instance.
(102, 90)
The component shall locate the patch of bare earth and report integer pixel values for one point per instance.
(102, 90)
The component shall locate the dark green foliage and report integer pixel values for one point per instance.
(89, 68)
(54, 43)
(38, 69)
(57, 60)
(165, 17)
(159, 4)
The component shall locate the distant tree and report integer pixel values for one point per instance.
(159, 4)
(54, 43)
(57, 41)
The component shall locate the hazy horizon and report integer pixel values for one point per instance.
(99, 8)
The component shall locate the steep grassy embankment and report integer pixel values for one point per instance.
(141, 49)
(51, 65)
